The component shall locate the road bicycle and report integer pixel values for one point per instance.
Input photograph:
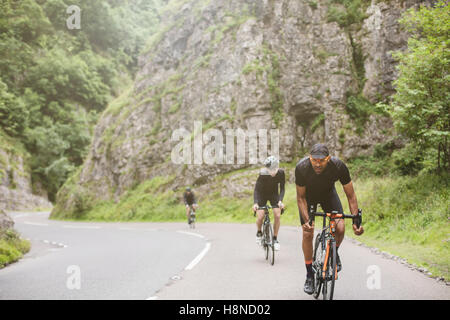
(324, 255)
(191, 220)
(267, 242)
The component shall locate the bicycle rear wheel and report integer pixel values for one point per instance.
(330, 275)
(317, 265)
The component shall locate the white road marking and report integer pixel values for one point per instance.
(36, 224)
(152, 298)
(21, 215)
(80, 227)
(197, 259)
(192, 234)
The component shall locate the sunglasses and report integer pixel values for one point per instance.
(319, 161)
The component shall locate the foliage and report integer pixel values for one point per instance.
(12, 248)
(347, 12)
(359, 109)
(13, 112)
(406, 216)
(54, 81)
(421, 107)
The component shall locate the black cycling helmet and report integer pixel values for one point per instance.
(188, 189)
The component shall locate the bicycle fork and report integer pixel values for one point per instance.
(325, 261)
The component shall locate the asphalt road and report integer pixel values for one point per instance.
(73, 260)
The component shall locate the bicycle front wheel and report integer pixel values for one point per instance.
(317, 264)
(330, 274)
(265, 242)
(271, 246)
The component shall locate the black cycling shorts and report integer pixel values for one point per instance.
(273, 199)
(330, 202)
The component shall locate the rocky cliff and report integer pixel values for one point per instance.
(16, 192)
(311, 69)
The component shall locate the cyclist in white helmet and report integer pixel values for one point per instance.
(266, 189)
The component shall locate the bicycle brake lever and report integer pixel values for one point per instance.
(359, 218)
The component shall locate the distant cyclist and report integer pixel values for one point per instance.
(315, 176)
(189, 201)
(266, 189)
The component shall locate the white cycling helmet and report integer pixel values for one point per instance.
(272, 164)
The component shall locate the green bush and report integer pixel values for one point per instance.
(347, 12)
(409, 160)
(420, 107)
(54, 81)
(12, 248)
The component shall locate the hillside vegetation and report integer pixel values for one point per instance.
(55, 81)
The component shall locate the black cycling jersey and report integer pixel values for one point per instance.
(189, 198)
(321, 185)
(266, 188)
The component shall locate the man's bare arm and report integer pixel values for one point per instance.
(301, 203)
(353, 204)
(351, 197)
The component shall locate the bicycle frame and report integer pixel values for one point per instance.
(266, 222)
(327, 241)
(267, 240)
(328, 232)
(191, 217)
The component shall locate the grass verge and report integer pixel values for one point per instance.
(12, 248)
(408, 217)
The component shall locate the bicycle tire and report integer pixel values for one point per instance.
(317, 278)
(266, 240)
(272, 245)
(328, 287)
(193, 221)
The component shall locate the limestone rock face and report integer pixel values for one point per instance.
(250, 65)
(15, 185)
(5, 222)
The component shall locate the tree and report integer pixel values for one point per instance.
(420, 108)
(13, 112)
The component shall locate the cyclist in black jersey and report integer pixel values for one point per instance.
(266, 189)
(189, 200)
(315, 177)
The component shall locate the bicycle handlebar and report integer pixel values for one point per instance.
(337, 215)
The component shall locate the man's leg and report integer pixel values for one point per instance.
(333, 203)
(307, 246)
(259, 219)
(259, 222)
(277, 221)
(308, 236)
(187, 212)
(276, 227)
